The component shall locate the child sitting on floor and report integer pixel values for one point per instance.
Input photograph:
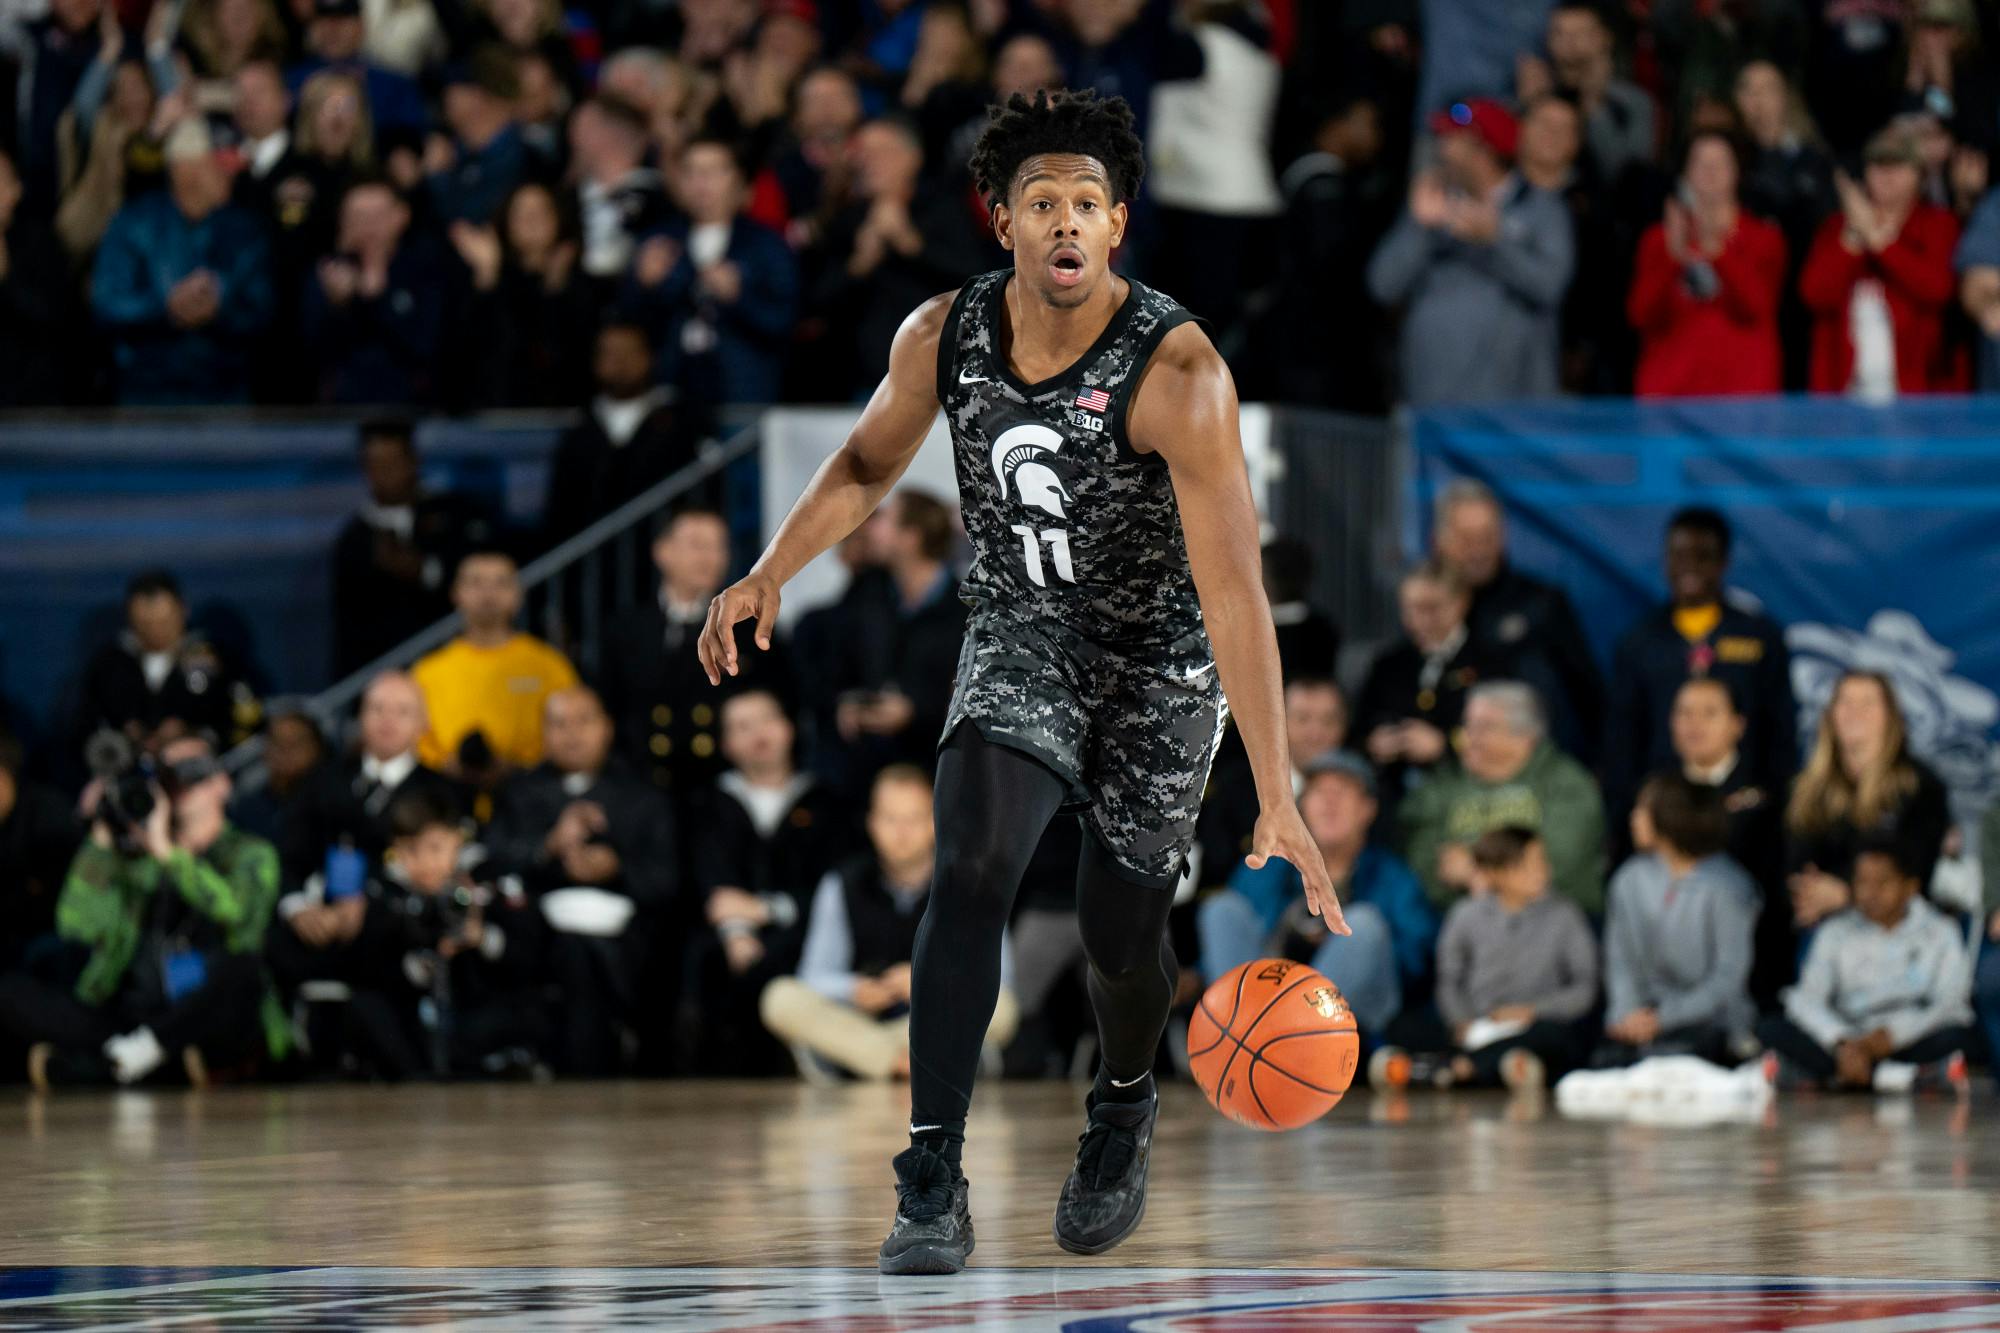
(1884, 1000)
(1678, 940)
(1517, 971)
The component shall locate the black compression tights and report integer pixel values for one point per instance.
(992, 805)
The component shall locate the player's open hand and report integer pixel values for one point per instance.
(1282, 833)
(755, 597)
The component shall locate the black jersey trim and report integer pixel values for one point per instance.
(1113, 327)
(1121, 401)
(947, 357)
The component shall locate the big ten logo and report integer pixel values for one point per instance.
(1084, 420)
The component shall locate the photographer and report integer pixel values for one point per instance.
(171, 902)
(426, 930)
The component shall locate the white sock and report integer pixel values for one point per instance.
(134, 1055)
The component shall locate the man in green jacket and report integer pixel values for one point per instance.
(1507, 773)
(173, 912)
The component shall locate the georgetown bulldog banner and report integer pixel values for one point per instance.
(1871, 533)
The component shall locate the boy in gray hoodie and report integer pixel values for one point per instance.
(1884, 1000)
(1517, 974)
(1677, 944)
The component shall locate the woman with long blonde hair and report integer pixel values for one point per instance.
(1861, 781)
(335, 130)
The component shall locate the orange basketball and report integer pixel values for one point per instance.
(1273, 1044)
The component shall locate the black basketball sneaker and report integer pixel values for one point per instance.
(933, 1230)
(1104, 1199)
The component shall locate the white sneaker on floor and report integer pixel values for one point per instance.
(134, 1055)
(1895, 1076)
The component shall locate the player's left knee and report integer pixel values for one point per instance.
(975, 883)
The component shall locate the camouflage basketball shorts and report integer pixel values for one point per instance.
(1132, 735)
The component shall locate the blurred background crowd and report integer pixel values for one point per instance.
(506, 861)
(500, 864)
(437, 203)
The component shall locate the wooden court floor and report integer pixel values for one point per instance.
(779, 1174)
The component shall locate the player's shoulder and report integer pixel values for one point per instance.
(919, 341)
(1184, 376)
(1171, 335)
(1186, 350)
(921, 335)
(927, 321)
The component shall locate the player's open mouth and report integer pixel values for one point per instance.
(1066, 267)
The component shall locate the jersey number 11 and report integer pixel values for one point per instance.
(1031, 553)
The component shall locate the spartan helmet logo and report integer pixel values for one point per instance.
(1019, 467)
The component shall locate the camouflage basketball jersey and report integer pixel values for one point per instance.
(1086, 647)
(1068, 523)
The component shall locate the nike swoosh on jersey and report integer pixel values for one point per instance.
(964, 378)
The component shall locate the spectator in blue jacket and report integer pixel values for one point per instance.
(720, 290)
(374, 310)
(182, 284)
(1262, 912)
(333, 42)
(472, 174)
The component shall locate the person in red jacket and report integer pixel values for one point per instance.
(1706, 286)
(1879, 281)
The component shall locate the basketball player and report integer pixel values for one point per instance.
(1094, 430)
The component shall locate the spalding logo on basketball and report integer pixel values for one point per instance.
(1273, 1044)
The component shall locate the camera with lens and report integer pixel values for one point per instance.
(132, 783)
(429, 918)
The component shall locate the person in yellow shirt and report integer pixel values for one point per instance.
(491, 680)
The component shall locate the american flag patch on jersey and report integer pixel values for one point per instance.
(1093, 400)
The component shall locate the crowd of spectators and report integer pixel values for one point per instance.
(502, 865)
(438, 204)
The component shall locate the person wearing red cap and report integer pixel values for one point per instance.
(1479, 262)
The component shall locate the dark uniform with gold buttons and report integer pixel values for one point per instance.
(1743, 648)
(669, 718)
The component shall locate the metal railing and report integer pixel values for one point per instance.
(566, 593)
(1341, 488)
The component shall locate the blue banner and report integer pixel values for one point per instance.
(1872, 534)
(244, 512)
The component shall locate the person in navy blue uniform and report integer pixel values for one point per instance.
(1698, 632)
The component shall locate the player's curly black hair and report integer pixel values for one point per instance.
(1061, 122)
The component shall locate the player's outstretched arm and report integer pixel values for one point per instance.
(843, 492)
(1185, 410)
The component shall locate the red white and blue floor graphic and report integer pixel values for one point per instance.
(1013, 1300)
